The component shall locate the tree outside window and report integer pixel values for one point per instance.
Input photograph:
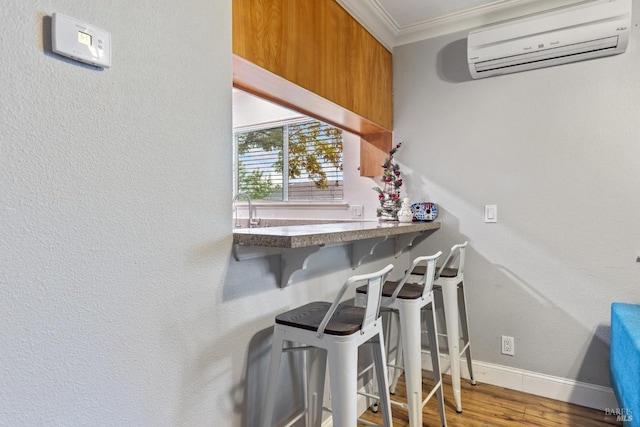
(299, 161)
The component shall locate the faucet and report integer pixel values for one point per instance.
(235, 210)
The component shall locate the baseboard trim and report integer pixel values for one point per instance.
(557, 388)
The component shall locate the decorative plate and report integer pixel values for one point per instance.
(424, 211)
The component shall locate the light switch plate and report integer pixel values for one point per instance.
(490, 213)
(357, 211)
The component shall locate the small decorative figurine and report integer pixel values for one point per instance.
(405, 214)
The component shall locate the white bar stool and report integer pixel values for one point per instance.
(450, 280)
(339, 329)
(409, 300)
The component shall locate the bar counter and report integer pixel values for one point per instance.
(301, 236)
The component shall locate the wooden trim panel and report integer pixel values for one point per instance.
(318, 46)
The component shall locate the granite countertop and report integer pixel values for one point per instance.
(300, 236)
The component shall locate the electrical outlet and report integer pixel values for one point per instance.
(508, 346)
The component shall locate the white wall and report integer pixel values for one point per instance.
(557, 150)
(120, 304)
(250, 110)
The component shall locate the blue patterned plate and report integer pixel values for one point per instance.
(424, 211)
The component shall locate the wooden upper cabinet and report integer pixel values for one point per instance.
(311, 55)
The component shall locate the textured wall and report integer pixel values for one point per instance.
(557, 150)
(113, 228)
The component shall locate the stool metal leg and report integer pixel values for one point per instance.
(451, 318)
(380, 361)
(317, 359)
(272, 379)
(343, 374)
(411, 341)
(462, 304)
(399, 363)
(432, 333)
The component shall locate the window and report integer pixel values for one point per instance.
(299, 160)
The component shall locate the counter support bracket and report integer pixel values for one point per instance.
(404, 241)
(363, 248)
(294, 260)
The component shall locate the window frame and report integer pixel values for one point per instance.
(286, 203)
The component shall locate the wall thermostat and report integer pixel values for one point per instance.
(80, 41)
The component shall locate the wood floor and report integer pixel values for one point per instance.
(488, 405)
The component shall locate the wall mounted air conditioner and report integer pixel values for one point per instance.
(573, 33)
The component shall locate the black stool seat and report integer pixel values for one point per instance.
(446, 272)
(346, 320)
(408, 291)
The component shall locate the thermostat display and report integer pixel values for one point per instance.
(80, 41)
(84, 38)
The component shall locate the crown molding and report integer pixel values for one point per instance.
(374, 19)
(383, 27)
